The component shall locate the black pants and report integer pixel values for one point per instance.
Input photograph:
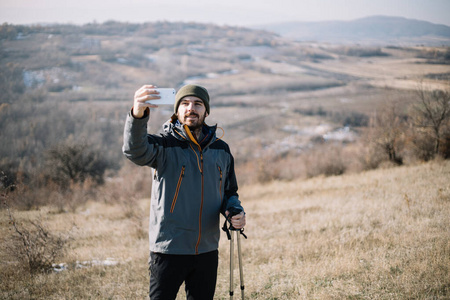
(168, 272)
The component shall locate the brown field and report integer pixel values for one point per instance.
(382, 234)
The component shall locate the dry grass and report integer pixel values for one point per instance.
(383, 234)
(378, 235)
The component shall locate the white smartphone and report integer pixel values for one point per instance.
(167, 97)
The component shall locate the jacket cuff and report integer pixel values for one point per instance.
(232, 202)
(146, 114)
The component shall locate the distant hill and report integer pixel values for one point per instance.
(370, 30)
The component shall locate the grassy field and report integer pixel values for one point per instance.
(383, 234)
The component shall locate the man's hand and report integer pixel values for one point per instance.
(145, 93)
(237, 221)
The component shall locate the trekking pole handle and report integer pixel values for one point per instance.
(232, 211)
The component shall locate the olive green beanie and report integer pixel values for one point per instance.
(192, 90)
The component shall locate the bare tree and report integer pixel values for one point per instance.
(387, 129)
(74, 163)
(432, 114)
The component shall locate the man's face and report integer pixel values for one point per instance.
(192, 112)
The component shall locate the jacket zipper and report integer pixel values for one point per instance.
(201, 205)
(193, 140)
(175, 197)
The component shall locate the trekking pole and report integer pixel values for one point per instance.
(230, 236)
(231, 265)
(241, 272)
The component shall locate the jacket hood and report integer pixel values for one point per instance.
(174, 127)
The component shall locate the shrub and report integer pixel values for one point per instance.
(352, 119)
(361, 51)
(70, 163)
(439, 56)
(326, 160)
(386, 133)
(431, 117)
(422, 145)
(8, 175)
(33, 245)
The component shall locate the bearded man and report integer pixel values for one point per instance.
(193, 183)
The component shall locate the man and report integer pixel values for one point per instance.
(193, 182)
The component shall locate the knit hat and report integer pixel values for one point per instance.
(192, 90)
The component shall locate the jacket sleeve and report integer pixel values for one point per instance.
(231, 199)
(137, 145)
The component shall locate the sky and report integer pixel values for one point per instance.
(220, 12)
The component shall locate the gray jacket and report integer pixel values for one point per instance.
(192, 184)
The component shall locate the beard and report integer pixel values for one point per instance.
(194, 125)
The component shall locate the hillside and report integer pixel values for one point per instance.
(244, 70)
(382, 234)
(374, 30)
(282, 105)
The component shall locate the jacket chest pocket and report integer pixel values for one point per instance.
(177, 190)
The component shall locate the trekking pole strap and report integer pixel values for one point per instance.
(227, 229)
